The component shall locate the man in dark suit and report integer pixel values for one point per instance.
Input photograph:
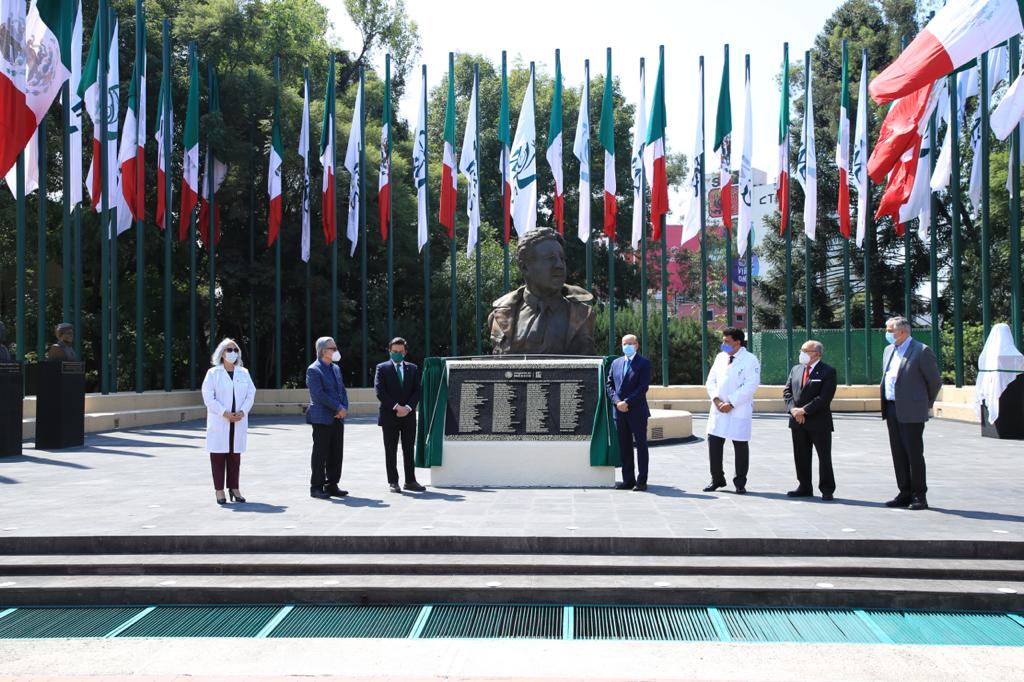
(397, 384)
(628, 379)
(809, 393)
(910, 384)
(328, 406)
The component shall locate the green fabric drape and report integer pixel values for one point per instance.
(432, 410)
(604, 439)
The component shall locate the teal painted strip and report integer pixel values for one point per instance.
(7, 612)
(421, 621)
(274, 622)
(130, 622)
(1012, 616)
(568, 622)
(873, 626)
(720, 626)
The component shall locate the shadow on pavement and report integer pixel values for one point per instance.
(43, 460)
(257, 508)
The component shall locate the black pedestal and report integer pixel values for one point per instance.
(60, 405)
(11, 409)
(1010, 423)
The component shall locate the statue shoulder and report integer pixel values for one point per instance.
(578, 294)
(511, 299)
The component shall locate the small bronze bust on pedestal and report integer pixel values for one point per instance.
(5, 355)
(63, 350)
(546, 315)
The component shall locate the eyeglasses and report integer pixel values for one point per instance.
(230, 350)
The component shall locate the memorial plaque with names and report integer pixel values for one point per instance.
(522, 400)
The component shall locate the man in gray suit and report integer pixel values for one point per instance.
(910, 384)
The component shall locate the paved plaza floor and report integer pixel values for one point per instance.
(156, 481)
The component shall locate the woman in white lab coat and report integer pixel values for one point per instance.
(732, 382)
(229, 393)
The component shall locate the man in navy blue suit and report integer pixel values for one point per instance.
(328, 406)
(627, 384)
(397, 384)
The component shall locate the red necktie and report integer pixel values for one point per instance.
(807, 374)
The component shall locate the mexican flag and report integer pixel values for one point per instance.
(900, 131)
(636, 163)
(581, 149)
(843, 153)
(959, 32)
(304, 153)
(162, 202)
(860, 153)
(505, 138)
(353, 154)
(449, 177)
(132, 153)
(384, 182)
(606, 134)
(327, 161)
(782, 181)
(692, 221)
(723, 144)
(807, 163)
(216, 170)
(275, 205)
(524, 165)
(190, 162)
(40, 49)
(654, 153)
(554, 152)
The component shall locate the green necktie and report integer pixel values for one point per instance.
(401, 375)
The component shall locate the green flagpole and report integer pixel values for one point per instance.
(19, 292)
(453, 349)
(701, 174)
(212, 106)
(278, 369)
(104, 44)
(1015, 275)
(786, 225)
(589, 246)
(868, 238)
(253, 350)
(606, 108)
(114, 251)
(390, 240)
(847, 341)
(664, 261)
(727, 219)
(958, 330)
(165, 115)
(808, 242)
(426, 247)
(41, 245)
(479, 311)
(506, 140)
(908, 293)
(65, 227)
(309, 295)
(362, 232)
(334, 244)
(193, 310)
(986, 279)
(140, 223)
(643, 237)
(933, 245)
(749, 315)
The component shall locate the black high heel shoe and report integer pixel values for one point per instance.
(220, 497)
(236, 496)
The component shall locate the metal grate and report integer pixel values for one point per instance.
(202, 621)
(475, 622)
(62, 623)
(796, 625)
(671, 623)
(964, 628)
(348, 621)
(657, 433)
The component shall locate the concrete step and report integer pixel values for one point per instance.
(765, 590)
(957, 411)
(525, 564)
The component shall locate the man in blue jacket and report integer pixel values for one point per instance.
(628, 379)
(328, 405)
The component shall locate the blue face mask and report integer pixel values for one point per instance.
(628, 349)
(726, 348)
(890, 338)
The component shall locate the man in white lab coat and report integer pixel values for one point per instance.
(732, 382)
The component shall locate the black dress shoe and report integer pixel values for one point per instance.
(919, 502)
(640, 487)
(394, 487)
(335, 491)
(827, 497)
(899, 501)
(741, 491)
(319, 493)
(414, 486)
(625, 486)
(712, 487)
(800, 493)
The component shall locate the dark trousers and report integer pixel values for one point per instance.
(906, 441)
(627, 437)
(821, 441)
(403, 428)
(716, 446)
(222, 462)
(328, 449)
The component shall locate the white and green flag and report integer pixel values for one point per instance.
(524, 165)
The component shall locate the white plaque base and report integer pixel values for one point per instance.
(522, 464)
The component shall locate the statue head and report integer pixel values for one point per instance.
(65, 332)
(541, 258)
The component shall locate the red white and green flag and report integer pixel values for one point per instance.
(162, 202)
(782, 180)
(190, 161)
(328, 217)
(214, 173)
(505, 138)
(131, 155)
(843, 152)
(554, 151)
(449, 177)
(38, 49)
(274, 170)
(654, 153)
(606, 135)
(723, 144)
(384, 183)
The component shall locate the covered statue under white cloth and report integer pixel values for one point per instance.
(998, 365)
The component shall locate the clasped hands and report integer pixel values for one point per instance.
(622, 406)
(799, 414)
(234, 417)
(723, 407)
(402, 410)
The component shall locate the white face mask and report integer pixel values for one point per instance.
(805, 359)
(335, 356)
(231, 357)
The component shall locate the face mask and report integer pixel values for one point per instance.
(628, 349)
(726, 348)
(805, 359)
(231, 357)
(335, 356)
(397, 357)
(890, 338)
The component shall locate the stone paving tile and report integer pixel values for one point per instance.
(156, 481)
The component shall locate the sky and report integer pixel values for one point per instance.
(533, 29)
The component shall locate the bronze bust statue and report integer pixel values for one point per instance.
(63, 350)
(546, 315)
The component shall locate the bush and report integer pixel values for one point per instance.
(683, 341)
